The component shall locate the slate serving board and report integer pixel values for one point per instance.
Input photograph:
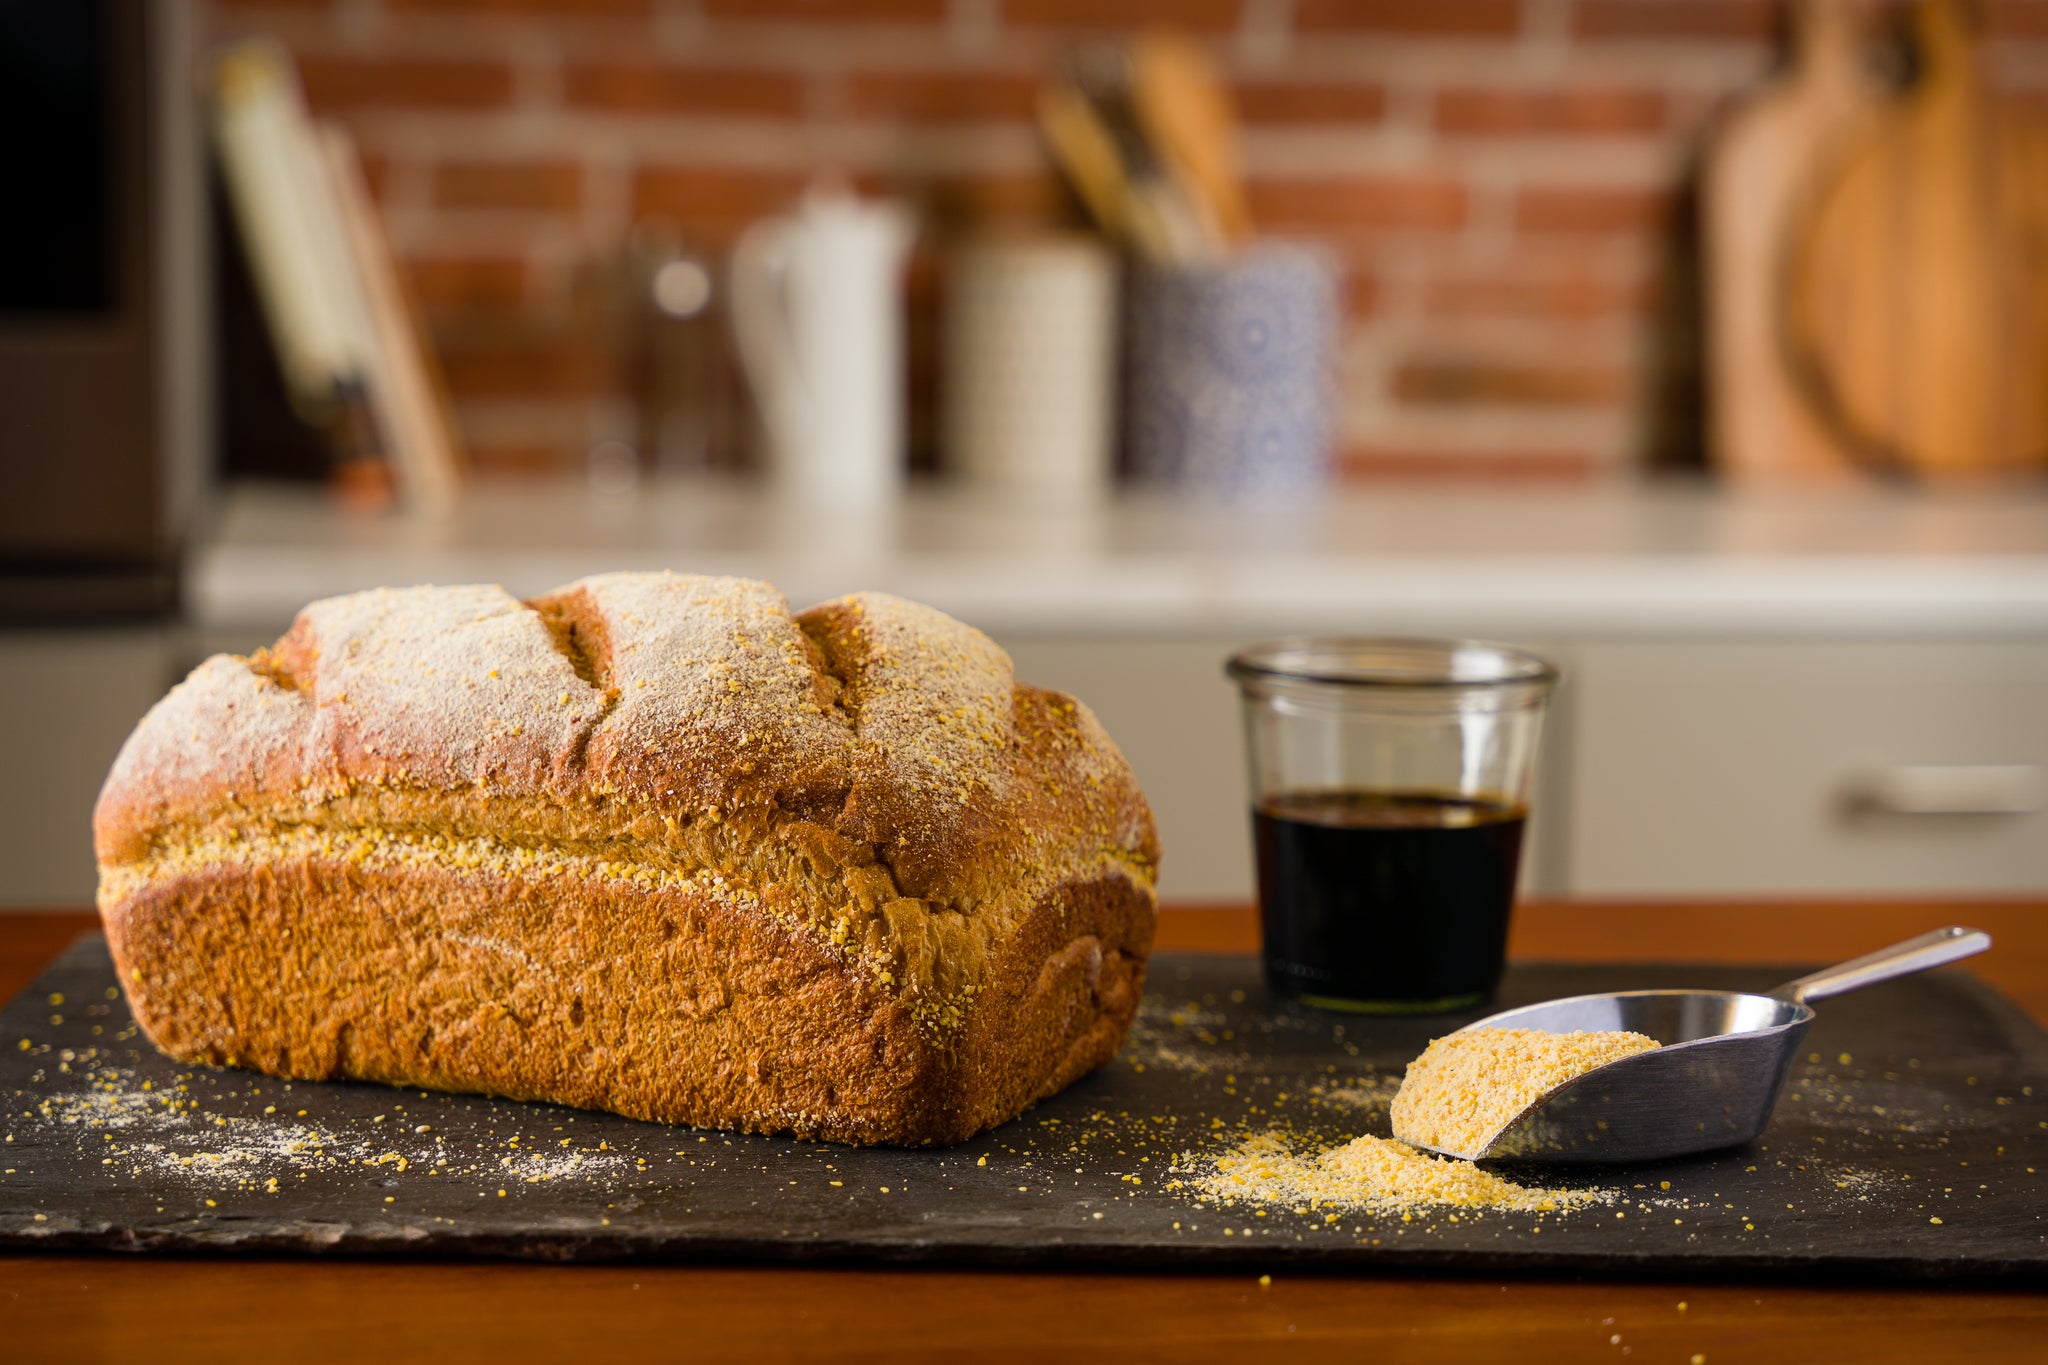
(1922, 1100)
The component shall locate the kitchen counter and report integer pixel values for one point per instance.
(1672, 559)
(94, 1307)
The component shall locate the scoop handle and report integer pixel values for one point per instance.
(1901, 959)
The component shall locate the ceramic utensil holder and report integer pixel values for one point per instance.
(1231, 373)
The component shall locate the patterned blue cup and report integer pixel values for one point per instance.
(1231, 373)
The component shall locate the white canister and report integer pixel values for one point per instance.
(1030, 364)
(817, 310)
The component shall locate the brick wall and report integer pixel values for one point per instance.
(1504, 178)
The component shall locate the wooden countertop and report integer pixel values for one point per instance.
(163, 1309)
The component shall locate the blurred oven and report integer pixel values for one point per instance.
(102, 347)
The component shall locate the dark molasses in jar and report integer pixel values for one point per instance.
(1386, 901)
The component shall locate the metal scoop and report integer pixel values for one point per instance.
(1713, 1083)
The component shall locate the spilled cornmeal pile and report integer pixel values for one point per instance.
(1465, 1088)
(1457, 1095)
(1370, 1173)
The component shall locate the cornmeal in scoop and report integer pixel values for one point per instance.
(1466, 1087)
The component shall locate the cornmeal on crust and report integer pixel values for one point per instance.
(649, 843)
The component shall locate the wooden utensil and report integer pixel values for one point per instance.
(1162, 206)
(1087, 154)
(1760, 426)
(1187, 113)
(1091, 121)
(404, 382)
(1917, 312)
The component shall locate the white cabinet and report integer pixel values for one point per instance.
(1175, 716)
(1170, 709)
(1758, 767)
(1684, 767)
(71, 697)
(1669, 769)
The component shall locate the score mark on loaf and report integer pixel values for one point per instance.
(649, 843)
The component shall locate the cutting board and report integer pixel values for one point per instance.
(1759, 166)
(1918, 299)
(1912, 1142)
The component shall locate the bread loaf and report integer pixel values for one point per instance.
(650, 844)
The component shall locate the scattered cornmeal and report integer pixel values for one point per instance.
(1467, 1086)
(1370, 1173)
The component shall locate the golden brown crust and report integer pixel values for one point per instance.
(651, 844)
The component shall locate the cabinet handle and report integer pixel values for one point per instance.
(1951, 789)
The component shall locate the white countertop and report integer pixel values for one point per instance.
(1664, 560)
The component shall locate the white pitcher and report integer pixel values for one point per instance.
(817, 310)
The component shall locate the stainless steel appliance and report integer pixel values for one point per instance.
(102, 345)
